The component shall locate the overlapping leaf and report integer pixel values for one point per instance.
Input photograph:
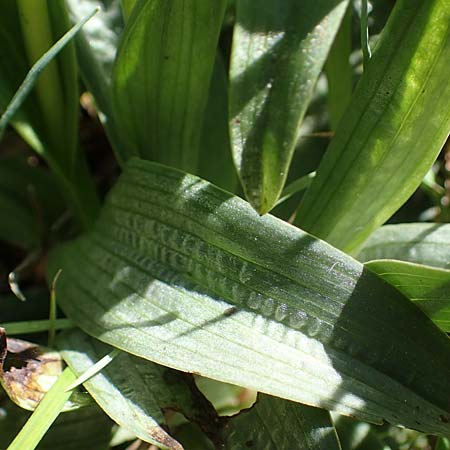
(422, 243)
(276, 424)
(427, 286)
(186, 275)
(279, 49)
(134, 392)
(392, 131)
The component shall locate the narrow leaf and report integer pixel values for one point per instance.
(392, 131)
(96, 46)
(279, 49)
(422, 243)
(161, 78)
(276, 424)
(44, 415)
(84, 429)
(179, 272)
(134, 392)
(428, 287)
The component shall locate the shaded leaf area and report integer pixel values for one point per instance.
(49, 114)
(277, 424)
(86, 428)
(279, 49)
(96, 46)
(392, 131)
(134, 392)
(180, 272)
(422, 243)
(30, 203)
(427, 287)
(162, 73)
(443, 444)
(215, 161)
(355, 435)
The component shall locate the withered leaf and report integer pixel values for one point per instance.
(28, 371)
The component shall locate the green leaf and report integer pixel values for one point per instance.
(443, 444)
(339, 71)
(215, 161)
(96, 46)
(86, 428)
(161, 78)
(392, 131)
(279, 49)
(184, 274)
(50, 114)
(276, 424)
(422, 243)
(132, 391)
(428, 287)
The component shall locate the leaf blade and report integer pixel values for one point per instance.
(186, 275)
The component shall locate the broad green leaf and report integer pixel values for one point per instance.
(422, 243)
(215, 161)
(127, 7)
(30, 202)
(392, 131)
(134, 392)
(277, 424)
(85, 429)
(428, 287)
(279, 49)
(96, 46)
(339, 71)
(184, 274)
(161, 78)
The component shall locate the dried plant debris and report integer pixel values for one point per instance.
(28, 371)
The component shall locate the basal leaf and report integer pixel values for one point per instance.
(277, 424)
(184, 274)
(279, 48)
(422, 243)
(428, 287)
(134, 392)
(392, 132)
(161, 78)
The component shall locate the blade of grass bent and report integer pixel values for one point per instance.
(392, 131)
(32, 76)
(279, 49)
(45, 414)
(181, 273)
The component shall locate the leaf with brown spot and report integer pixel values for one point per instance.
(28, 371)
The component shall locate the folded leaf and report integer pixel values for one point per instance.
(422, 243)
(276, 424)
(279, 49)
(134, 392)
(161, 78)
(180, 272)
(392, 131)
(427, 287)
